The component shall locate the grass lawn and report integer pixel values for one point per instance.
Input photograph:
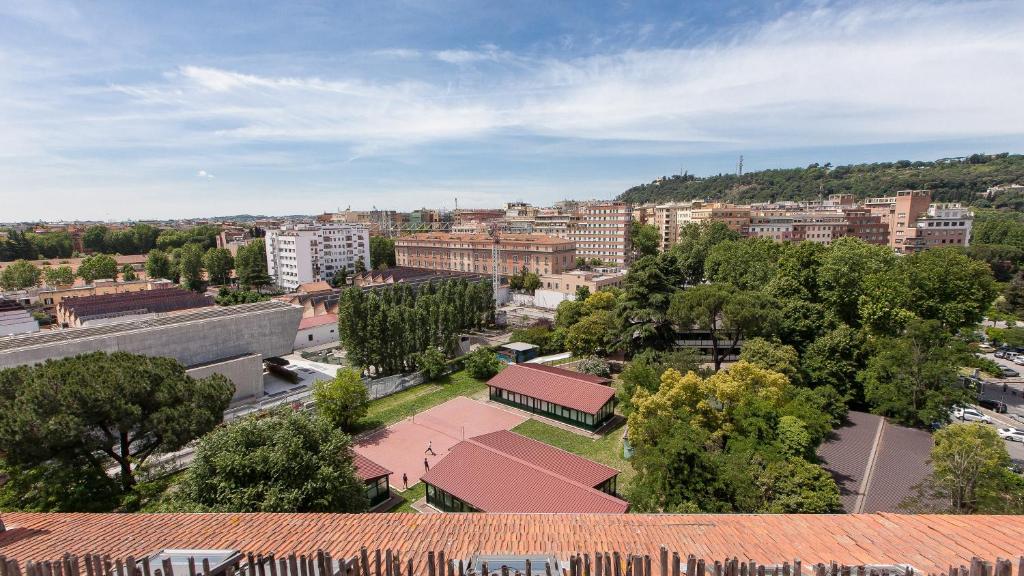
(395, 407)
(606, 450)
(411, 495)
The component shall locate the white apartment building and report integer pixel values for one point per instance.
(602, 231)
(310, 253)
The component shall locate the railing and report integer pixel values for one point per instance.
(391, 563)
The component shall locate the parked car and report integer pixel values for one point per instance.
(993, 405)
(1018, 359)
(1010, 372)
(969, 415)
(1001, 353)
(1017, 417)
(985, 348)
(1011, 434)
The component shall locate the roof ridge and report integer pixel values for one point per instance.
(547, 370)
(617, 471)
(604, 495)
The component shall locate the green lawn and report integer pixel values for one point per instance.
(395, 407)
(411, 495)
(606, 450)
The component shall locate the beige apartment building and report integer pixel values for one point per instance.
(567, 282)
(473, 252)
(602, 231)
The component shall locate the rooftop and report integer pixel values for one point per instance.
(367, 469)
(584, 392)
(314, 321)
(928, 542)
(505, 238)
(199, 315)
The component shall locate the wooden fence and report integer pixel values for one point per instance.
(390, 563)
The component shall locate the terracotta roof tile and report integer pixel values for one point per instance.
(563, 387)
(367, 469)
(567, 464)
(486, 477)
(314, 321)
(930, 543)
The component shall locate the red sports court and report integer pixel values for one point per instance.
(402, 446)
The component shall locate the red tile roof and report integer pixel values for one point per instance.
(491, 480)
(367, 469)
(563, 463)
(928, 542)
(314, 287)
(314, 321)
(562, 372)
(563, 387)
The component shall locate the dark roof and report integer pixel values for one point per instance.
(367, 469)
(931, 543)
(564, 463)
(141, 302)
(492, 480)
(584, 392)
(899, 462)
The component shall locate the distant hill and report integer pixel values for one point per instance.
(951, 180)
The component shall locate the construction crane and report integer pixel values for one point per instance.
(493, 229)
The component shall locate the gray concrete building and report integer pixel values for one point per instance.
(224, 340)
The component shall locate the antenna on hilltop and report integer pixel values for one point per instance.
(739, 166)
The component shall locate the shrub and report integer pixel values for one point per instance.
(595, 366)
(482, 364)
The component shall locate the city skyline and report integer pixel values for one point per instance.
(113, 111)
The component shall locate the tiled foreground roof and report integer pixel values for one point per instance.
(928, 542)
(557, 385)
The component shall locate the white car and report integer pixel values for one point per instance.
(1018, 360)
(969, 415)
(1011, 434)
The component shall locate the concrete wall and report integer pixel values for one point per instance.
(550, 299)
(245, 372)
(320, 335)
(266, 328)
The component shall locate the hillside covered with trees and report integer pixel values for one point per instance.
(950, 180)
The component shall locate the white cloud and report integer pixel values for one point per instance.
(205, 174)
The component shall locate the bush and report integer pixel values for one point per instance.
(342, 401)
(482, 364)
(432, 362)
(595, 366)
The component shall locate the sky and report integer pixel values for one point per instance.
(156, 110)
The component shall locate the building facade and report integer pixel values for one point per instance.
(602, 232)
(473, 253)
(311, 253)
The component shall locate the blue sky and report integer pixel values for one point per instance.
(120, 110)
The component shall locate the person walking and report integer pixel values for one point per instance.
(426, 465)
(405, 481)
(430, 449)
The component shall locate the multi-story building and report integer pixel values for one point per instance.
(567, 282)
(473, 252)
(602, 232)
(310, 253)
(940, 225)
(735, 216)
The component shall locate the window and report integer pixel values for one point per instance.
(310, 337)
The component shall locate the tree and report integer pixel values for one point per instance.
(432, 362)
(382, 252)
(748, 264)
(251, 265)
(568, 313)
(595, 366)
(228, 297)
(593, 335)
(969, 468)
(728, 315)
(190, 266)
(123, 406)
(96, 267)
(582, 293)
(20, 275)
(694, 245)
(281, 462)
(158, 265)
(342, 401)
(644, 238)
(844, 266)
(834, 360)
(59, 276)
(128, 273)
(645, 369)
(94, 238)
(773, 356)
(360, 266)
(796, 486)
(643, 313)
(482, 364)
(340, 278)
(912, 378)
(218, 263)
(52, 486)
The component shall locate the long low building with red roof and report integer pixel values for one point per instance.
(376, 478)
(505, 472)
(928, 543)
(575, 398)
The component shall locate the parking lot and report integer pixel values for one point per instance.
(1010, 391)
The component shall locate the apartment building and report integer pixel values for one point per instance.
(473, 252)
(310, 253)
(602, 231)
(735, 216)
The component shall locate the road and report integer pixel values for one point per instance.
(1012, 394)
